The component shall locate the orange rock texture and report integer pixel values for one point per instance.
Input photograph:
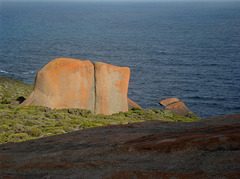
(174, 106)
(72, 83)
(64, 83)
(178, 108)
(111, 88)
(166, 102)
(132, 104)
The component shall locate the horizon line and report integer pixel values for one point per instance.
(100, 1)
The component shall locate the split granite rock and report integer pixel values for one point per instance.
(72, 83)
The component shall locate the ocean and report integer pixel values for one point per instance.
(186, 50)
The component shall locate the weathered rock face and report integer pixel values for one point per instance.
(178, 108)
(166, 102)
(174, 106)
(111, 88)
(132, 104)
(153, 149)
(72, 83)
(64, 83)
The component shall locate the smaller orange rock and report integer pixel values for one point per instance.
(178, 108)
(168, 101)
(132, 104)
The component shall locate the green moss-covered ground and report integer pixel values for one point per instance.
(31, 122)
(13, 91)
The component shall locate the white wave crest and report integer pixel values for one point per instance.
(2, 71)
(29, 72)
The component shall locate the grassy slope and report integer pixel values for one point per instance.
(31, 122)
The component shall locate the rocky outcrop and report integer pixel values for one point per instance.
(111, 87)
(64, 83)
(207, 148)
(178, 108)
(72, 83)
(168, 101)
(132, 104)
(174, 106)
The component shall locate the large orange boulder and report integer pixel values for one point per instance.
(111, 85)
(72, 83)
(64, 83)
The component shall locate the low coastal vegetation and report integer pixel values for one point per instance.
(31, 122)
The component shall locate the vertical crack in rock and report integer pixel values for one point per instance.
(95, 91)
(72, 83)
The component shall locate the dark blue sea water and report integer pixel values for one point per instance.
(185, 50)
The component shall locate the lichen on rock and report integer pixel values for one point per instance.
(72, 83)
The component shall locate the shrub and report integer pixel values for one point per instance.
(34, 131)
(18, 128)
(4, 128)
(30, 122)
(16, 137)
